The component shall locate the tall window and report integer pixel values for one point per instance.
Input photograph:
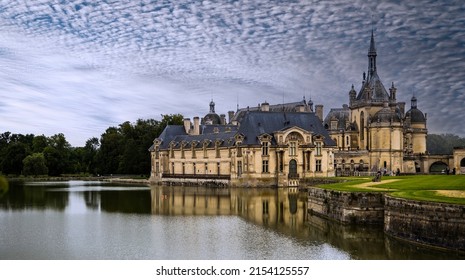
(218, 168)
(172, 150)
(206, 168)
(195, 168)
(182, 150)
(265, 166)
(318, 165)
(318, 148)
(183, 168)
(362, 126)
(193, 150)
(217, 149)
(265, 147)
(292, 148)
(239, 168)
(239, 149)
(172, 168)
(307, 161)
(205, 154)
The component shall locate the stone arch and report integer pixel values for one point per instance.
(295, 136)
(462, 162)
(438, 167)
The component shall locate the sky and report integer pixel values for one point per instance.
(78, 67)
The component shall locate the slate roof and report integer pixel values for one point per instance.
(286, 107)
(256, 123)
(342, 115)
(178, 134)
(378, 91)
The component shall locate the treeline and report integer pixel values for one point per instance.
(443, 144)
(119, 150)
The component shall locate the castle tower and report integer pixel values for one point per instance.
(415, 122)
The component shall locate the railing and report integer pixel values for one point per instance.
(346, 173)
(197, 176)
(293, 176)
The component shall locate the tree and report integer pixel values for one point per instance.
(124, 149)
(443, 144)
(12, 162)
(35, 165)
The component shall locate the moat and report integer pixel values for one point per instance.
(97, 220)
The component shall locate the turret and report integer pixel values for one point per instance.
(352, 96)
(392, 92)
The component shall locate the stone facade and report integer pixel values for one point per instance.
(262, 148)
(376, 126)
(459, 160)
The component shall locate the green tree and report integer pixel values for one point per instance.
(12, 159)
(443, 144)
(39, 143)
(35, 165)
(124, 150)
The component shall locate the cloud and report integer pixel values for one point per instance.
(82, 66)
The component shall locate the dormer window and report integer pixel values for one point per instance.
(334, 125)
(265, 148)
(318, 148)
(172, 149)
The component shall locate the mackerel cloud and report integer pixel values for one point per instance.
(78, 67)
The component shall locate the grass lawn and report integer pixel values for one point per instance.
(438, 188)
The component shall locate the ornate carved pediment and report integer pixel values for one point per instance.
(265, 137)
(239, 137)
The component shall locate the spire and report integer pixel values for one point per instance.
(212, 107)
(372, 56)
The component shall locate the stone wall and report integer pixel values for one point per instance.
(347, 207)
(437, 224)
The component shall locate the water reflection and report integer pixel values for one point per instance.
(272, 223)
(77, 197)
(284, 211)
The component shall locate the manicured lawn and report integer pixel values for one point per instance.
(438, 188)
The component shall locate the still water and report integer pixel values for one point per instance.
(98, 220)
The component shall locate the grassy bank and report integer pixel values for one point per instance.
(437, 188)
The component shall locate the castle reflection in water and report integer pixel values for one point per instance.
(263, 206)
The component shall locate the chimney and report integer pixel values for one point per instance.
(265, 107)
(196, 126)
(319, 111)
(230, 116)
(223, 119)
(300, 108)
(187, 125)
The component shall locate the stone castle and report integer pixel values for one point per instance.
(286, 144)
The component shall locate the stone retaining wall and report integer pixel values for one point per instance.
(347, 207)
(437, 224)
(429, 223)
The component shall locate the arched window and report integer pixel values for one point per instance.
(462, 162)
(292, 168)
